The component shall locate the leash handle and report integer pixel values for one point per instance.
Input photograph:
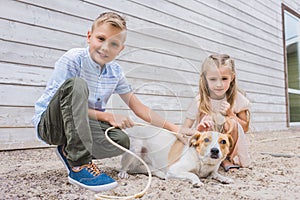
(138, 195)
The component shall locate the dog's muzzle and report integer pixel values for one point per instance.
(214, 153)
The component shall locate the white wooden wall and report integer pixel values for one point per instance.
(167, 40)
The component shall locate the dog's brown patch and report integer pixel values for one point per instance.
(175, 152)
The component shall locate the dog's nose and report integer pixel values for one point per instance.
(214, 151)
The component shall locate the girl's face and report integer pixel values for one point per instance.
(105, 43)
(218, 81)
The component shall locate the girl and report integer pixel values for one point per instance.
(219, 99)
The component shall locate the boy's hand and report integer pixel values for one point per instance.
(121, 121)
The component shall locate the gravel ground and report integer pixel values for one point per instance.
(274, 174)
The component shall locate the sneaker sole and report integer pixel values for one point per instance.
(100, 188)
(62, 160)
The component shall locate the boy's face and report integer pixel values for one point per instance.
(106, 42)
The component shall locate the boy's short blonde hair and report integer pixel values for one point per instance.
(112, 18)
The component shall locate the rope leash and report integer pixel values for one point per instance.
(142, 193)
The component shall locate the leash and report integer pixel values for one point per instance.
(142, 193)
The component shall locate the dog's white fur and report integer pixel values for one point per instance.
(169, 158)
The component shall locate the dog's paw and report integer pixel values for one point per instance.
(226, 180)
(198, 184)
(123, 174)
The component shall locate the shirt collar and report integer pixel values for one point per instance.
(91, 61)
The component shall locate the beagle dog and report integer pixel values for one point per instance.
(167, 157)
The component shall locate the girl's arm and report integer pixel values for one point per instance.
(188, 123)
(243, 119)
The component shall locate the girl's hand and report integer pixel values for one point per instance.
(205, 124)
(225, 109)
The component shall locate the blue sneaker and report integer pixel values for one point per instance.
(60, 152)
(90, 177)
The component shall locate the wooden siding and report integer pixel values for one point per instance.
(167, 40)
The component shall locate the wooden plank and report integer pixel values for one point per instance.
(14, 95)
(23, 33)
(39, 56)
(157, 59)
(267, 108)
(19, 138)
(45, 18)
(259, 15)
(263, 126)
(23, 75)
(208, 43)
(159, 43)
(264, 98)
(176, 117)
(25, 54)
(142, 86)
(162, 74)
(166, 20)
(11, 117)
(165, 48)
(262, 79)
(27, 96)
(256, 87)
(153, 101)
(33, 76)
(249, 66)
(14, 117)
(233, 10)
(223, 27)
(74, 8)
(269, 118)
(61, 22)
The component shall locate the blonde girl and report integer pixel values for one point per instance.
(219, 96)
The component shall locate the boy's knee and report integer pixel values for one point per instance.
(76, 84)
(124, 140)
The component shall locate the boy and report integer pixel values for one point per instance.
(71, 111)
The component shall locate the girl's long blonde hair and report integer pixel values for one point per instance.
(214, 62)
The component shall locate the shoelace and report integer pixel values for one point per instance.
(93, 169)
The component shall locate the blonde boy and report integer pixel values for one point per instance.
(71, 111)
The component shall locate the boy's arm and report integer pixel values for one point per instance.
(145, 113)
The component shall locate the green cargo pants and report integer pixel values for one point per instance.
(66, 122)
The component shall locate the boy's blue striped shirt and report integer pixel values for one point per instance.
(78, 63)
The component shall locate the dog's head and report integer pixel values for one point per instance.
(211, 145)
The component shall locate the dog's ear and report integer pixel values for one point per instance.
(193, 140)
(231, 142)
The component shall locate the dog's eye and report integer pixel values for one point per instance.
(206, 140)
(223, 141)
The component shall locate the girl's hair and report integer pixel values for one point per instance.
(112, 18)
(214, 62)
